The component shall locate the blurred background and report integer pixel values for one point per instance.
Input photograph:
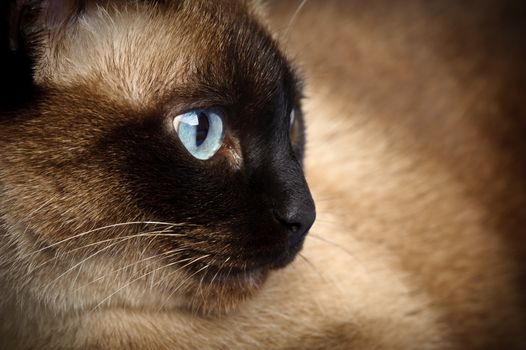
(423, 104)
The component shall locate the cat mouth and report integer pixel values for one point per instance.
(215, 291)
(218, 275)
(222, 276)
(214, 283)
(239, 270)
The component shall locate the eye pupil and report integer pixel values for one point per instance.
(202, 129)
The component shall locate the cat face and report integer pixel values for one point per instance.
(166, 137)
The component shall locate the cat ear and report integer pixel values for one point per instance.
(28, 18)
(23, 22)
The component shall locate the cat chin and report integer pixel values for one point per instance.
(219, 292)
(224, 292)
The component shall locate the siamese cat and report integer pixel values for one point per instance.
(152, 175)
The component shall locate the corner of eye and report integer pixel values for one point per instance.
(232, 152)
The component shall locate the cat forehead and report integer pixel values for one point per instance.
(140, 54)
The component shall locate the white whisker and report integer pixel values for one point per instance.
(218, 270)
(181, 284)
(79, 264)
(148, 273)
(118, 239)
(100, 229)
(132, 264)
(294, 17)
(318, 237)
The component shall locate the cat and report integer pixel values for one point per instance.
(152, 187)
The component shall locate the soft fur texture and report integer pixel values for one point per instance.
(415, 158)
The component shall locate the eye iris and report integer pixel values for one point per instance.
(200, 131)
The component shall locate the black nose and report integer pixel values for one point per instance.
(297, 220)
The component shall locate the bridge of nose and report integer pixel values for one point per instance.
(286, 193)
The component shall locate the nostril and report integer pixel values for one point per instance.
(297, 224)
(288, 223)
(295, 227)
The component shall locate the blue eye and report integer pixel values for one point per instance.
(201, 131)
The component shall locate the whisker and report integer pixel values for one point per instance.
(199, 291)
(12, 243)
(136, 279)
(326, 278)
(33, 212)
(118, 239)
(148, 273)
(325, 221)
(327, 199)
(169, 252)
(79, 264)
(175, 271)
(183, 282)
(311, 264)
(294, 17)
(218, 270)
(318, 237)
(100, 229)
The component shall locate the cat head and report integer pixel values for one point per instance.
(162, 146)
